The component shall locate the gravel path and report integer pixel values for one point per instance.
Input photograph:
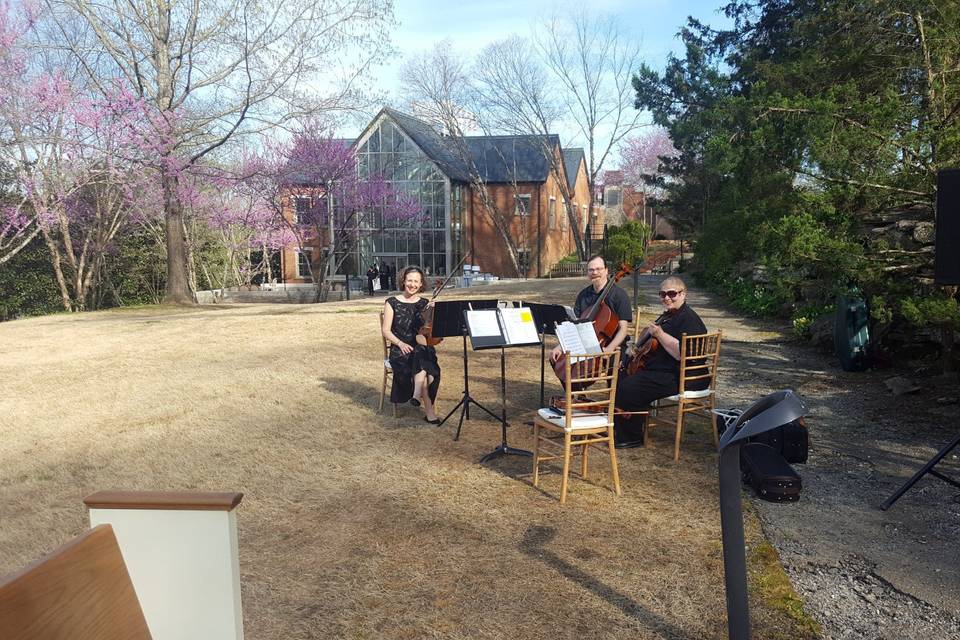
(862, 572)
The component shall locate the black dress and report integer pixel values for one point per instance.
(406, 325)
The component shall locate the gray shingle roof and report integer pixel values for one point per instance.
(571, 161)
(497, 158)
(432, 143)
(511, 158)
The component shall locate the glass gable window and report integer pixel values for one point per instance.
(421, 240)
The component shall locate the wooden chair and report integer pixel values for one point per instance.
(580, 428)
(387, 372)
(699, 356)
(81, 591)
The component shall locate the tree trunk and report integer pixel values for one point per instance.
(178, 286)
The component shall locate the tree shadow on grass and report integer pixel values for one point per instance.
(534, 544)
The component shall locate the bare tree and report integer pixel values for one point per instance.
(594, 60)
(215, 69)
(515, 91)
(439, 90)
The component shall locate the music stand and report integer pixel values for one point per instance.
(924, 470)
(448, 320)
(487, 332)
(546, 317)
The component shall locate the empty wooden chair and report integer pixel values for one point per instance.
(699, 356)
(586, 420)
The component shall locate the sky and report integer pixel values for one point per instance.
(470, 25)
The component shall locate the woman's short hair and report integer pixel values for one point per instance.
(674, 281)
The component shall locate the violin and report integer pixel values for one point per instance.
(605, 322)
(646, 346)
(426, 316)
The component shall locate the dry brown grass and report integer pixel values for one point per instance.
(354, 524)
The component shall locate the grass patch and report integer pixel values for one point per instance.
(770, 583)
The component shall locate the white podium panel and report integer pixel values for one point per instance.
(181, 552)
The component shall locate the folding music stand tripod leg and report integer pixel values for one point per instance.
(925, 469)
(464, 404)
(503, 449)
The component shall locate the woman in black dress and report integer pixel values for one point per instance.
(416, 373)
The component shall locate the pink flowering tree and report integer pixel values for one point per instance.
(312, 185)
(76, 162)
(641, 157)
(246, 229)
(18, 222)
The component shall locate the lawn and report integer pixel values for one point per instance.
(357, 524)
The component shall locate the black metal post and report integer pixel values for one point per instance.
(504, 449)
(734, 554)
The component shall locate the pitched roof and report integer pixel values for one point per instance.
(511, 158)
(571, 162)
(497, 158)
(613, 178)
(431, 143)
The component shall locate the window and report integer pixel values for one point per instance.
(612, 197)
(521, 205)
(564, 218)
(583, 221)
(523, 260)
(303, 264)
(552, 214)
(301, 209)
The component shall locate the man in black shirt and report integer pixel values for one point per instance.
(617, 300)
(660, 376)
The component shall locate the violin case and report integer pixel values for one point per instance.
(791, 441)
(770, 476)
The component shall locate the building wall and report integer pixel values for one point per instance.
(288, 255)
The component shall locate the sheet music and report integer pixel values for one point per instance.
(519, 326)
(578, 338)
(483, 323)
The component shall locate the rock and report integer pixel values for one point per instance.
(821, 331)
(924, 233)
(900, 385)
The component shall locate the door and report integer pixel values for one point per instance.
(397, 264)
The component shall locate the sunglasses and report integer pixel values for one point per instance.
(670, 294)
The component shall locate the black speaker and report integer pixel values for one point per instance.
(946, 260)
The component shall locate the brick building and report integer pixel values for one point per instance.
(442, 173)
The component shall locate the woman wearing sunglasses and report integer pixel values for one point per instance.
(660, 376)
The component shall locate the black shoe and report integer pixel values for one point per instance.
(627, 444)
(434, 421)
(414, 402)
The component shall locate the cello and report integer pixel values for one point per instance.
(605, 322)
(426, 316)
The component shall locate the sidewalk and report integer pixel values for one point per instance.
(862, 572)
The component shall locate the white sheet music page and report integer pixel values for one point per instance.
(588, 336)
(519, 326)
(483, 323)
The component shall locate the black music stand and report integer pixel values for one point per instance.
(501, 341)
(924, 470)
(448, 321)
(546, 317)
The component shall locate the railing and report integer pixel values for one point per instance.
(568, 270)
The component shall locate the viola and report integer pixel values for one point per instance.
(426, 316)
(645, 347)
(605, 322)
